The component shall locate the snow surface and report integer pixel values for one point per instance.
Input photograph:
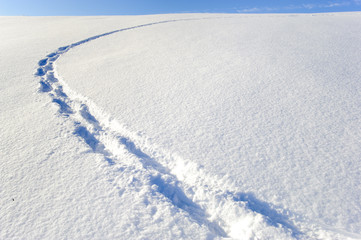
(187, 126)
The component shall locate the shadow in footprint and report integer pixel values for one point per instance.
(93, 143)
(50, 55)
(273, 217)
(60, 93)
(50, 77)
(168, 188)
(43, 62)
(84, 112)
(64, 108)
(40, 72)
(130, 146)
(45, 87)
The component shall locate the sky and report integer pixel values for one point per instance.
(142, 7)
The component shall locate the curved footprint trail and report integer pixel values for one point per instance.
(203, 198)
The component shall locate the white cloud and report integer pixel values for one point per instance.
(301, 6)
(308, 6)
(249, 10)
(336, 4)
(256, 9)
(329, 5)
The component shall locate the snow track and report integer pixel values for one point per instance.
(210, 201)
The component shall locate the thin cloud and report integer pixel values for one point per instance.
(338, 4)
(256, 9)
(249, 10)
(334, 4)
(301, 6)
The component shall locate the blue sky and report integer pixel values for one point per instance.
(140, 7)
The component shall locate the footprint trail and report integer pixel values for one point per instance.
(226, 213)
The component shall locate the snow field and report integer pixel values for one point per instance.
(105, 137)
(52, 185)
(196, 177)
(243, 97)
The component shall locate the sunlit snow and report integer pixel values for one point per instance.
(185, 126)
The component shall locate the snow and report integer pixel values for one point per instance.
(187, 126)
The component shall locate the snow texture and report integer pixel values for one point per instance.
(189, 126)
